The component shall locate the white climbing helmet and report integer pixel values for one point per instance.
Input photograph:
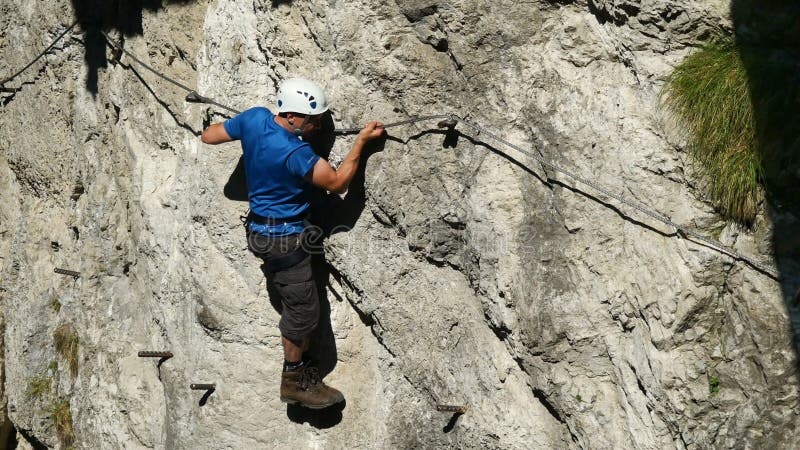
(302, 96)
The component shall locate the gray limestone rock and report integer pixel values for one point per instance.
(458, 271)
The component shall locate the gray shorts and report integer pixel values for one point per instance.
(292, 290)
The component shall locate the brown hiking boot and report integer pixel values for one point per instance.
(304, 386)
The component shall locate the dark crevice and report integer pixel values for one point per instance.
(366, 319)
(343, 280)
(601, 15)
(378, 337)
(630, 10)
(680, 436)
(370, 320)
(638, 381)
(313, 35)
(627, 61)
(116, 112)
(441, 263)
(540, 395)
(456, 62)
(501, 331)
(31, 439)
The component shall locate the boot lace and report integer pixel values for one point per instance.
(309, 377)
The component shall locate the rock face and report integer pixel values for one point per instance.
(457, 271)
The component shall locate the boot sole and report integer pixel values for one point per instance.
(290, 401)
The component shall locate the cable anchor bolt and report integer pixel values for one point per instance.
(194, 97)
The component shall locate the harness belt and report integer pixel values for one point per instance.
(258, 244)
(255, 218)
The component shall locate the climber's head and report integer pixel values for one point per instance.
(301, 102)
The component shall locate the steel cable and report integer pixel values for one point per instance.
(680, 229)
(454, 119)
(52, 44)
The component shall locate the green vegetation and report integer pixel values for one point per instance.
(578, 397)
(713, 386)
(709, 93)
(62, 420)
(38, 387)
(737, 103)
(66, 343)
(55, 305)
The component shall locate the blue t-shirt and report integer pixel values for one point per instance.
(275, 162)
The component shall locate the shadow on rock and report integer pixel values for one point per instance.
(335, 214)
(317, 418)
(97, 16)
(767, 36)
(236, 187)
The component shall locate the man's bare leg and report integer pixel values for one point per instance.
(292, 352)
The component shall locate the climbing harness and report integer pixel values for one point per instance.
(261, 245)
(52, 44)
(450, 121)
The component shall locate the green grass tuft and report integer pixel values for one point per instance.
(38, 387)
(62, 420)
(713, 386)
(710, 95)
(738, 105)
(55, 305)
(66, 343)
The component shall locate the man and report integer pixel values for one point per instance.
(280, 169)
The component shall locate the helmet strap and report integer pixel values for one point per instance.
(298, 131)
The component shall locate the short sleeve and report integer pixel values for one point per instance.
(301, 160)
(233, 127)
(236, 126)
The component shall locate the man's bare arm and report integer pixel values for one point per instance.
(324, 176)
(215, 134)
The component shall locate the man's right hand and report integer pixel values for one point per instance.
(372, 130)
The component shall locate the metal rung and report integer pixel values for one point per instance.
(71, 273)
(459, 409)
(149, 354)
(203, 387)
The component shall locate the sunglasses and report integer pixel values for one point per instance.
(314, 120)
